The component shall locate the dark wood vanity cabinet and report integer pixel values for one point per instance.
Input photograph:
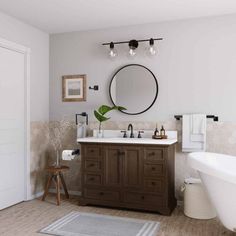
(129, 176)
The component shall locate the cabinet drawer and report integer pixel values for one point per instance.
(102, 195)
(92, 165)
(154, 185)
(131, 197)
(92, 151)
(154, 169)
(151, 154)
(93, 179)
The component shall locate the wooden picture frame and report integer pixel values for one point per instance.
(73, 88)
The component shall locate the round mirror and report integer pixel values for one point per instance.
(134, 87)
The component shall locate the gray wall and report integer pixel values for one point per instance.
(38, 41)
(195, 67)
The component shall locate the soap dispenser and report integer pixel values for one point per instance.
(156, 133)
(162, 131)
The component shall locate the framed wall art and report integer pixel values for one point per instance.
(73, 88)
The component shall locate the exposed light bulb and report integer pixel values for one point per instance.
(112, 52)
(151, 49)
(132, 52)
(133, 45)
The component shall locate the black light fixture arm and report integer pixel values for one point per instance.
(138, 40)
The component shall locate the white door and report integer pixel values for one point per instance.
(12, 127)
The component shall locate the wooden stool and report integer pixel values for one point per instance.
(55, 175)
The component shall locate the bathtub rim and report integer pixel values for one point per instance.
(196, 161)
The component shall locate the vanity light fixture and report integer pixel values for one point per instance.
(133, 45)
(112, 52)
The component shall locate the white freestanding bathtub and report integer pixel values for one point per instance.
(218, 174)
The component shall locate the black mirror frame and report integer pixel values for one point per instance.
(157, 89)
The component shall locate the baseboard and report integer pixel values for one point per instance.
(36, 195)
(40, 194)
(73, 193)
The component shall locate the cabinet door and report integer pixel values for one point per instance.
(113, 165)
(132, 167)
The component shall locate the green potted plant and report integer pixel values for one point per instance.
(100, 115)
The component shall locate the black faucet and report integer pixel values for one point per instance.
(130, 127)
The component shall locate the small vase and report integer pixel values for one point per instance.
(100, 134)
(58, 159)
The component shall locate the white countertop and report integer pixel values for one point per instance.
(150, 141)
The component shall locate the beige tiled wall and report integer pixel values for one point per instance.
(221, 138)
(38, 155)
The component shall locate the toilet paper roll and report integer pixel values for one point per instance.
(67, 155)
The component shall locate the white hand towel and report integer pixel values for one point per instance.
(81, 130)
(198, 126)
(198, 123)
(194, 133)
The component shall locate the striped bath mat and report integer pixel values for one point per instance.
(87, 224)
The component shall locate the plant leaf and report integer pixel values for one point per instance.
(104, 109)
(100, 117)
(121, 108)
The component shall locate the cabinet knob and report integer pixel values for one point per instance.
(153, 168)
(142, 197)
(151, 153)
(91, 165)
(153, 183)
(91, 179)
(101, 193)
(91, 150)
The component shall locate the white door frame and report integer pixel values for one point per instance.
(26, 52)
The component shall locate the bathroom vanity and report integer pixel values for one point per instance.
(128, 173)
